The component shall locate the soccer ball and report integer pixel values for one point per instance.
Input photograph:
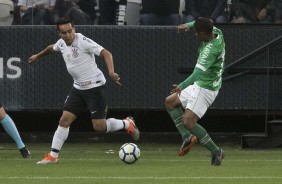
(129, 153)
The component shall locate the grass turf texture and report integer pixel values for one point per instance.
(159, 163)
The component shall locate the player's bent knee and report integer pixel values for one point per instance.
(167, 104)
(170, 102)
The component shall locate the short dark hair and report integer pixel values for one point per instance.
(203, 24)
(63, 20)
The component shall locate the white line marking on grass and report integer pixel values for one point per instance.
(170, 160)
(149, 159)
(141, 178)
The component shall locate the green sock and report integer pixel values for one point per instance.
(204, 138)
(176, 115)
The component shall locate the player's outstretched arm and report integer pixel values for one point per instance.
(186, 26)
(197, 72)
(108, 58)
(48, 50)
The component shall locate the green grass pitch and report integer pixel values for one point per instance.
(83, 163)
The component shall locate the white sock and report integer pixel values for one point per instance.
(59, 138)
(115, 124)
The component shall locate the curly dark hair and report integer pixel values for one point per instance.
(203, 24)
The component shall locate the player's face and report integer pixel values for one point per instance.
(67, 33)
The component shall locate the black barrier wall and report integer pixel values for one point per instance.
(147, 59)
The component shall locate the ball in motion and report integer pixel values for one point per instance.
(129, 153)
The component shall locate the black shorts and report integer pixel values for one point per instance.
(93, 99)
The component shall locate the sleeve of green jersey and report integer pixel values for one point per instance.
(190, 24)
(192, 78)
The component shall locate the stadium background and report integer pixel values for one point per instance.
(149, 60)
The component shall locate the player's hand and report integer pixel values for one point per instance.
(115, 77)
(176, 89)
(32, 59)
(182, 27)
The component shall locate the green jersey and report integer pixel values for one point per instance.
(211, 61)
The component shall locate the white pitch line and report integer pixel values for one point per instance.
(176, 160)
(142, 178)
(155, 160)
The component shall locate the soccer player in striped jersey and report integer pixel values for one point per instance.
(88, 91)
(199, 90)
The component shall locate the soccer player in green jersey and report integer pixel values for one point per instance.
(199, 90)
